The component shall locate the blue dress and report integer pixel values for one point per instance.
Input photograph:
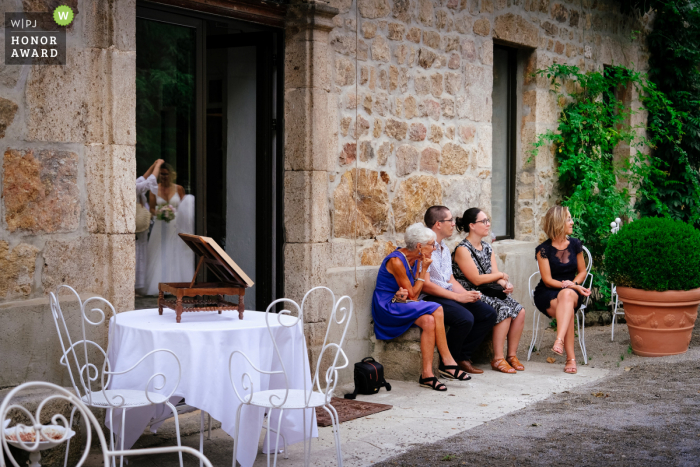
(393, 319)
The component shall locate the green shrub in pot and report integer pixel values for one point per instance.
(655, 254)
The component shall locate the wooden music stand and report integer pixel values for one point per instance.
(206, 296)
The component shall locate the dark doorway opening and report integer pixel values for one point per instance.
(208, 103)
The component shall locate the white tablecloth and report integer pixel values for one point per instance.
(203, 342)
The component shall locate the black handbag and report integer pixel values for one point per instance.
(369, 378)
(492, 289)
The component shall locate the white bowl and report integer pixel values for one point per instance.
(56, 433)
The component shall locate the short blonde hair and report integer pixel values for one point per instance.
(555, 222)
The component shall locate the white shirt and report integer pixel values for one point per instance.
(144, 185)
(440, 269)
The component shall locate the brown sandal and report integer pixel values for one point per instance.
(515, 363)
(502, 365)
(556, 350)
(568, 370)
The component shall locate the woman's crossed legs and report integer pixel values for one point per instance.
(563, 308)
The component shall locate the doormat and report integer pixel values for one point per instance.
(349, 410)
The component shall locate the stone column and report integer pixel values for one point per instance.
(310, 121)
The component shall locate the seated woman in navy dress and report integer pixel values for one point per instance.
(563, 269)
(403, 273)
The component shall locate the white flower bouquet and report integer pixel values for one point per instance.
(165, 212)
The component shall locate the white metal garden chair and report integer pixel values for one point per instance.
(318, 394)
(614, 228)
(59, 429)
(91, 373)
(581, 325)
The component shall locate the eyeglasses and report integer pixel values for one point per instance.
(486, 221)
(432, 245)
(450, 220)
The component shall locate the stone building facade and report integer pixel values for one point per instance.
(387, 110)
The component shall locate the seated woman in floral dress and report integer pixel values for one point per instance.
(474, 264)
(560, 291)
(404, 270)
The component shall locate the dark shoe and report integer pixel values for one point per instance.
(456, 372)
(432, 383)
(515, 363)
(467, 366)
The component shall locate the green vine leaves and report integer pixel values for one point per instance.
(602, 156)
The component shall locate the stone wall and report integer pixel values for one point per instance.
(414, 116)
(67, 180)
(371, 144)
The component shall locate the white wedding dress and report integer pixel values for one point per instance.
(168, 258)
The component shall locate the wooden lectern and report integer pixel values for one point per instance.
(206, 296)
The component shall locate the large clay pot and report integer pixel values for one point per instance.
(660, 323)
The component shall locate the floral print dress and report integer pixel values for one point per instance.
(506, 308)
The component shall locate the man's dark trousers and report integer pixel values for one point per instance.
(469, 323)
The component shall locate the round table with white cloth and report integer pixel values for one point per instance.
(203, 342)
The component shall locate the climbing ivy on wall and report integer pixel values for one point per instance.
(594, 122)
(672, 188)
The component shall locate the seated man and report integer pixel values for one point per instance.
(469, 318)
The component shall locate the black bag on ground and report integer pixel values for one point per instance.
(369, 378)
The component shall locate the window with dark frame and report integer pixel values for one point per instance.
(503, 142)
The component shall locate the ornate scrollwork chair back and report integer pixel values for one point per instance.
(320, 390)
(59, 429)
(91, 378)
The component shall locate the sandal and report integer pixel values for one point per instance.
(558, 348)
(570, 370)
(515, 363)
(432, 383)
(458, 374)
(502, 365)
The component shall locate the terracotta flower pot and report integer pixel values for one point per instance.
(660, 323)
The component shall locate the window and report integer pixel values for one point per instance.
(503, 150)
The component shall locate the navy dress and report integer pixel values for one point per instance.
(393, 319)
(563, 265)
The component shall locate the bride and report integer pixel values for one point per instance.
(169, 259)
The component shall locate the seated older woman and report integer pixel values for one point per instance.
(403, 273)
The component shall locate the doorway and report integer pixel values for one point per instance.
(207, 104)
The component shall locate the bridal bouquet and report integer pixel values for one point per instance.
(165, 213)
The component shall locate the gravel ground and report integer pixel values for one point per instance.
(646, 412)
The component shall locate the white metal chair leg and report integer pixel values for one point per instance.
(235, 439)
(277, 442)
(581, 338)
(284, 440)
(111, 437)
(535, 333)
(335, 420)
(614, 316)
(121, 437)
(70, 427)
(268, 439)
(201, 434)
(177, 429)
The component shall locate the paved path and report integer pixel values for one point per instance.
(646, 416)
(618, 405)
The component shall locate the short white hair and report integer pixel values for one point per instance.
(418, 233)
